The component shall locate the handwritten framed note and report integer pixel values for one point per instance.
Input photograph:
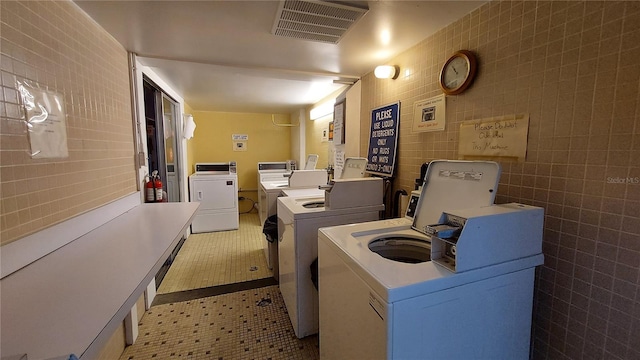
(496, 137)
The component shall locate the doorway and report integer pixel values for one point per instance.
(161, 113)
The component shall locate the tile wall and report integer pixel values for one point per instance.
(56, 47)
(574, 68)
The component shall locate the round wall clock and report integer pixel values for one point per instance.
(458, 72)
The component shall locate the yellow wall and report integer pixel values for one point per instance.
(313, 134)
(212, 142)
(314, 145)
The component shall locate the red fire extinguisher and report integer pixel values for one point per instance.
(153, 188)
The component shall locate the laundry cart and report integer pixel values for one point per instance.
(215, 187)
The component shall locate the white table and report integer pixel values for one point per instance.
(72, 300)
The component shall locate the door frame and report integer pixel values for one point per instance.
(139, 70)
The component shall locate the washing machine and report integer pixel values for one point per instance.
(271, 189)
(345, 201)
(215, 187)
(270, 172)
(273, 171)
(456, 283)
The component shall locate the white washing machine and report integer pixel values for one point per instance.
(347, 201)
(273, 171)
(270, 190)
(381, 296)
(270, 173)
(215, 187)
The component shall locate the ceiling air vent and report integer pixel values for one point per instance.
(322, 21)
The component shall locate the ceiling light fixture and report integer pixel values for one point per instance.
(386, 71)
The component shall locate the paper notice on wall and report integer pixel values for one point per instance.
(338, 123)
(46, 121)
(496, 137)
(338, 163)
(429, 114)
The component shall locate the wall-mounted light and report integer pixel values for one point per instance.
(386, 71)
(322, 110)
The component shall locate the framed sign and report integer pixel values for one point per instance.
(429, 114)
(383, 140)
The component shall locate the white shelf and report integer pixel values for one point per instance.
(73, 299)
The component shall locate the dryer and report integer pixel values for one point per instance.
(346, 201)
(381, 296)
(215, 187)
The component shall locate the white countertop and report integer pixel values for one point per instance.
(75, 297)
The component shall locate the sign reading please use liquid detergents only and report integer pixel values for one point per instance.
(383, 140)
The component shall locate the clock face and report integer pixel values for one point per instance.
(456, 72)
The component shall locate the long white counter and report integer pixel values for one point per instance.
(73, 299)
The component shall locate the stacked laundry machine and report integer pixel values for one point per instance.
(455, 283)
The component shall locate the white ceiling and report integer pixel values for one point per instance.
(221, 55)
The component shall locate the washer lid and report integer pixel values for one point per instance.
(455, 184)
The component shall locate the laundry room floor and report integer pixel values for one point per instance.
(219, 258)
(219, 301)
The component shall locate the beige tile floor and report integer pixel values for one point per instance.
(218, 258)
(250, 324)
(247, 324)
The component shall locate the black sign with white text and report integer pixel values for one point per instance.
(383, 140)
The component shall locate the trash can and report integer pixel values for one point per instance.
(270, 230)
